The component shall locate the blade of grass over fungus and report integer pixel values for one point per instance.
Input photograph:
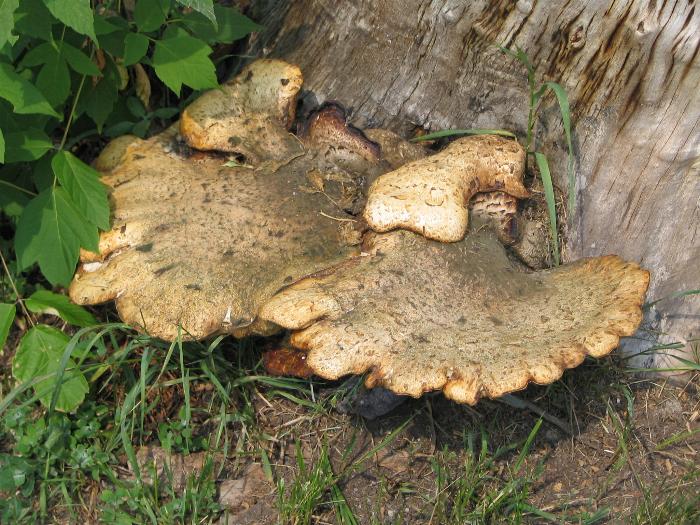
(564, 109)
(458, 132)
(543, 166)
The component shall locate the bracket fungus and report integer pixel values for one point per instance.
(205, 243)
(430, 195)
(201, 242)
(421, 315)
(248, 115)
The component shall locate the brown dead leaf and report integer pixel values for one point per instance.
(142, 85)
(241, 493)
(395, 460)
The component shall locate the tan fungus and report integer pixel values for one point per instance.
(205, 243)
(421, 315)
(201, 244)
(249, 115)
(430, 196)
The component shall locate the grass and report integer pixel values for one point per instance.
(473, 494)
(137, 372)
(676, 505)
(211, 398)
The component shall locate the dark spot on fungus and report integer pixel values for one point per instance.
(284, 81)
(147, 247)
(241, 322)
(161, 271)
(193, 287)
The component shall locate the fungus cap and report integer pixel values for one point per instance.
(420, 315)
(249, 115)
(200, 243)
(430, 195)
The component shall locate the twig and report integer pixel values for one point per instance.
(336, 218)
(14, 288)
(522, 404)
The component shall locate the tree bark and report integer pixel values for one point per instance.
(632, 72)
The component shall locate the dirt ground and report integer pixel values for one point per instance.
(616, 456)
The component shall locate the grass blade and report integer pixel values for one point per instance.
(528, 443)
(458, 132)
(676, 295)
(543, 166)
(565, 110)
(342, 510)
(681, 436)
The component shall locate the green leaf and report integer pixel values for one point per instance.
(42, 174)
(7, 315)
(39, 356)
(2, 147)
(99, 100)
(84, 187)
(53, 80)
(111, 33)
(149, 15)
(105, 25)
(76, 14)
(38, 55)
(24, 97)
(51, 231)
(233, 25)
(165, 113)
(46, 302)
(135, 107)
(7, 19)
(543, 166)
(33, 19)
(79, 61)
(14, 472)
(206, 7)
(28, 145)
(135, 48)
(140, 129)
(181, 59)
(12, 200)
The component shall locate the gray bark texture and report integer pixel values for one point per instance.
(632, 72)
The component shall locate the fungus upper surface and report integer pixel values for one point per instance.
(201, 242)
(422, 315)
(430, 195)
(249, 115)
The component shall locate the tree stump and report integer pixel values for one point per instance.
(632, 73)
